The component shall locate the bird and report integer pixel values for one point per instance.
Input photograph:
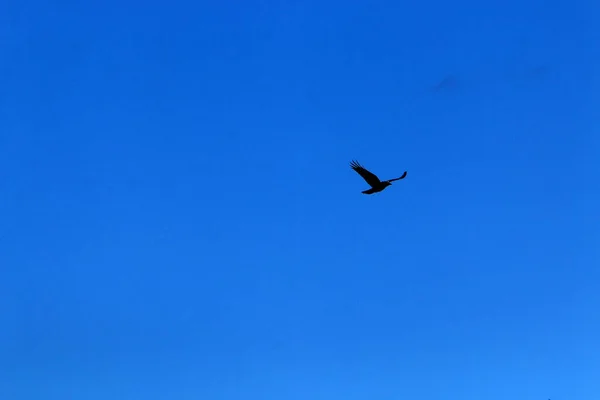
(372, 179)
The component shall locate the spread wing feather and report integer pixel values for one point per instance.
(397, 179)
(368, 176)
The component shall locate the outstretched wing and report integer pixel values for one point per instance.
(370, 177)
(397, 179)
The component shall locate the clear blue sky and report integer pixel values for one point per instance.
(178, 219)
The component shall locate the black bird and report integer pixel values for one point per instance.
(372, 179)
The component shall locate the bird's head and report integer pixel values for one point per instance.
(386, 183)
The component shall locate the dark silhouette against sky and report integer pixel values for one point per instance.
(377, 185)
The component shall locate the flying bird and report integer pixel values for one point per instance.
(372, 179)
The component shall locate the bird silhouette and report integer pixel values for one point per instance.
(372, 179)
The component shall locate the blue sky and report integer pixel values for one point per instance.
(179, 220)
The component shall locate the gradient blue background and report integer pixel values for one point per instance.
(178, 219)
